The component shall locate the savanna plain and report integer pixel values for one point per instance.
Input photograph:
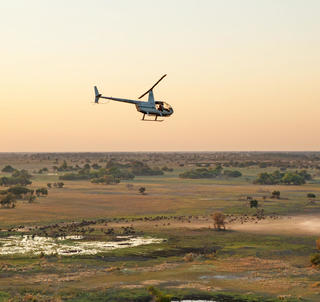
(214, 226)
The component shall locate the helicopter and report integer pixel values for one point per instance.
(151, 107)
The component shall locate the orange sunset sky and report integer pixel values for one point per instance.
(242, 74)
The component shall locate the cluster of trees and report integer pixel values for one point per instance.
(136, 168)
(288, 178)
(202, 173)
(9, 197)
(113, 173)
(209, 173)
(139, 168)
(18, 177)
(64, 167)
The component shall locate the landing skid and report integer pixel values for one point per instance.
(155, 120)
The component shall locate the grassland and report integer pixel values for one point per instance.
(234, 265)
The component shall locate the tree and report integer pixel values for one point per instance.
(253, 203)
(276, 194)
(8, 200)
(219, 220)
(49, 185)
(142, 190)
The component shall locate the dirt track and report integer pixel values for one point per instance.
(308, 225)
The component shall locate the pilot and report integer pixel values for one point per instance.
(160, 108)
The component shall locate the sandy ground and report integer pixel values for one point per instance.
(300, 225)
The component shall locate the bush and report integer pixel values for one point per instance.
(315, 259)
(42, 191)
(311, 195)
(158, 296)
(142, 190)
(166, 169)
(188, 257)
(230, 173)
(253, 203)
(8, 169)
(275, 194)
(106, 179)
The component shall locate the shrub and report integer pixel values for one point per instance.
(230, 173)
(142, 190)
(189, 257)
(158, 296)
(315, 259)
(253, 203)
(311, 195)
(42, 191)
(8, 169)
(275, 194)
(166, 169)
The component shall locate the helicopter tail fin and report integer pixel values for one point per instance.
(97, 95)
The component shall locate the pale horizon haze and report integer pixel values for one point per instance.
(242, 74)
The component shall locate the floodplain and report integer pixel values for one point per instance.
(88, 241)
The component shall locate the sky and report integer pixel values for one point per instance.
(242, 75)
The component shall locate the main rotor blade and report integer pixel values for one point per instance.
(153, 86)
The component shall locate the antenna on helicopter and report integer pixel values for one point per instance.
(153, 86)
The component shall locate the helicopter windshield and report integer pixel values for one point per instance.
(162, 106)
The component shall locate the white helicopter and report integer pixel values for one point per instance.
(151, 108)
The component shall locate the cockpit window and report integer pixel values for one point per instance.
(163, 106)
